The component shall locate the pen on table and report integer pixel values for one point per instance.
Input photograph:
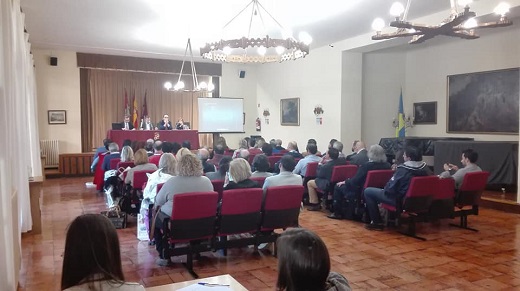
(212, 284)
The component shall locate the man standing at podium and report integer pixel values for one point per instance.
(127, 125)
(165, 123)
(146, 124)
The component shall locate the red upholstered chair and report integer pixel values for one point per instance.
(310, 173)
(140, 178)
(99, 174)
(239, 213)
(273, 160)
(251, 158)
(467, 198)
(125, 165)
(377, 179)
(281, 208)
(416, 204)
(339, 173)
(151, 213)
(218, 186)
(278, 154)
(259, 180)
(113, 163)
(283, 152)
(443, 204)
(192, 220)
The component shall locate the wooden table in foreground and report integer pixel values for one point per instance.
(222, 279)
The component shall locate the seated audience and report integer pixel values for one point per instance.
(182, 152)
(127, 142)
(221, 141)
(238, 175)
(203, 155)
(337, 145)
(242, 145)
(292, 148)
(223, 168)
(99, 151)
(278, 146)
(167, 169)
(398, 159)
(261, 166)
(256, 148)
(92, 258)
(286, 176)
(350, 189)
(304, 263)
(186, 144)
(244, 154)
(114, 154)
(301, 167)
(218, 154)
(157, 148)
(149, 147)
(267, 149)
(141, 164)
(322, 180)
(396, 188)
(312, 141)
(468, 160)
(127, 154)
(360, 157)
(189, 179)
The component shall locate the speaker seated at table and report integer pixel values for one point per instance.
(165, 123)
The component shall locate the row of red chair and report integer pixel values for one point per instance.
(204, 222)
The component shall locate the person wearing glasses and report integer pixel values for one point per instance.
(165, 123)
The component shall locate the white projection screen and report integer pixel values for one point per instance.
(220, 115)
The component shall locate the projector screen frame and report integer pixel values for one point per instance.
(224, 132)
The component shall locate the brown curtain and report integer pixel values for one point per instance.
(103, 98)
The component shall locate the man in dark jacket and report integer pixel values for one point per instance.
(396, 188)
(323, 178)
(351, 188)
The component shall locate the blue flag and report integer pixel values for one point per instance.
(399, 130)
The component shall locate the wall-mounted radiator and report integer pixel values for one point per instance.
(51, 149)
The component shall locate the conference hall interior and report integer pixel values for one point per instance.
(218, 77)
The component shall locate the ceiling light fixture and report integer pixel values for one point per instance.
(458, 24)
(257, 50)
(179, 86)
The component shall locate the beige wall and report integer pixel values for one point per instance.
(58, 89)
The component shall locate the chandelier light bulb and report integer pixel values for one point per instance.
(470, 23)
(262, 50)
(502, 8)
(397, 9)
(378, 24)
(227, 50)
(305, 37)
(280, 50)
(211, 87)
(179, 85)
(203, 85)
(464, 3)
(168, 85)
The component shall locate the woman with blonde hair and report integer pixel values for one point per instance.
(127, 154)
(238, 175)
(182, 152)
(189, 179)
(141, 164)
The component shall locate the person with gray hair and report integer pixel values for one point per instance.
(339, 146)
(149, 147)
(277, 147)
(114, 154)
(360, 154)
(127, 154)
(203, 155)
(350, 190)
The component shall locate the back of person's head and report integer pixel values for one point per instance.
(168, 164)
(189, 165)
(127, 154)
(338, 145)
(240, 170)
(288, 163)
(223, 165)
(127, 142)
(244, 154)
(376, 153)
(273, 142)
(186, 144)
(312, 148)
(278, 142)
(219, 149)
(183, 152)
(113, 147)
(106, 142)
(471, 155)
(399, 159)
(167, 147)
(243, 144)
(313, 141)
(331, 142)
(149, 145)
(252, 142)
(267, 149)
(203, 154)
(91, 252)
(413, 153)
(175, 148)
(303, 261)
(157, 146)
(261, 163)
(333, 153)
(260, 142)
(221, 140)
(140, 157)
(292, 145)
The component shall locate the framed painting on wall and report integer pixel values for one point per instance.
(483, 102)
(57, 116)
(425, 113)
(290, 111)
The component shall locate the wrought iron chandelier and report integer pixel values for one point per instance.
(458, 24)
(180, 86)
(257, 50)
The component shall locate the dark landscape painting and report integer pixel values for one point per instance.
(485, 102)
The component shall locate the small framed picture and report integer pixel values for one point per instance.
(57, 116)
(425, 113)
(290, 111)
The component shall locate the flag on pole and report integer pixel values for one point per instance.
(134, 120)
(144, 112)
(127, 106)
(399, 130)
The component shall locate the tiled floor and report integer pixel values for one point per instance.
(451, 258)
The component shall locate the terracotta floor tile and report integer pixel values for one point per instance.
(450, 259)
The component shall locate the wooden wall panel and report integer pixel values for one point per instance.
(76, 164)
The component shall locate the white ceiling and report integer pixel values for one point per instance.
(160, 28)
